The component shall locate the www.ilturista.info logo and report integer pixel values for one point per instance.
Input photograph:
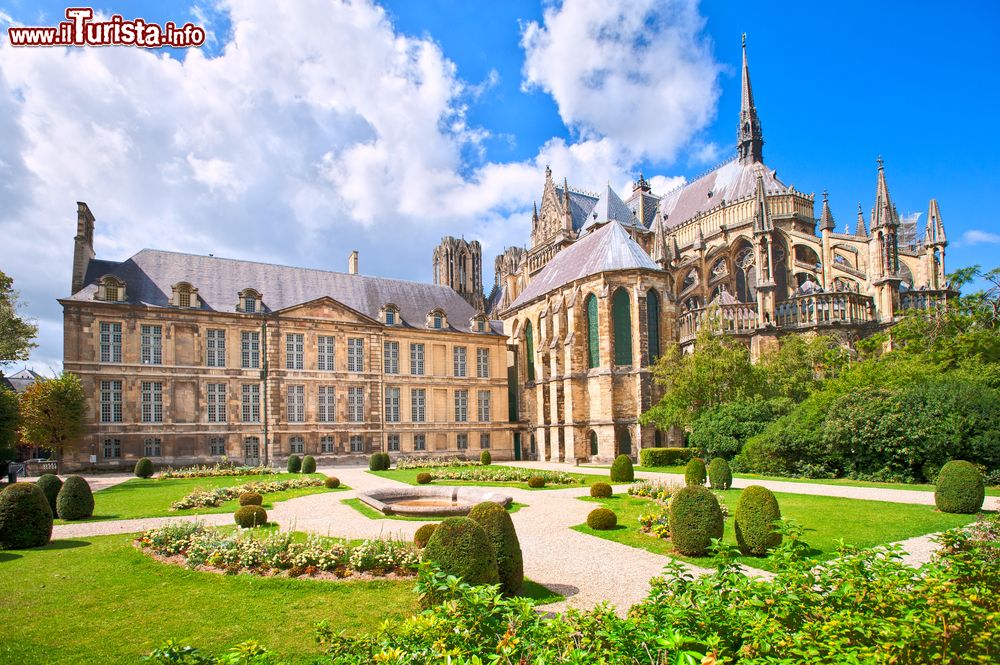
(82, 30)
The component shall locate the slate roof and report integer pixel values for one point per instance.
(580, 206)
(150, 274)
(609, 247)
(650, 201)
(21, 381)
(611, 208)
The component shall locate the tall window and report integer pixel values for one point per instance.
(459, 357)
(483, 363)
(484, 440)
(390, 353)
(593, 338)
(356, 404)
(296, 445)
(324, 357)
(653, 325)
(152, 447)
(111, 342)
(621, 320)
(111, 401)
(357, 444)
(392, 443)
(392, 405)
(184, 298)
(483, 406)
(151, 344)
(327, 404)
(326, 444)
(461, 406)
(438, 322)
(296, 403)
(295, 351)
(152, 402)
(250, 349)
(463, 441)
(217, 446)
(215, 355)
(112, 448)
(529, 350)
(419, 442)
(416, 359)
(249, 304)
(216, 402)
(390, 317)
(251, 402)
(418, 404)
(355, 354)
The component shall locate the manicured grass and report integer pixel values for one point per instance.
(825, 519)
(540, 594)
(98, 600)
(152, 497)
(371, 513)
(409, 476)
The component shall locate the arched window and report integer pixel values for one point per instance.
(184, 295)
(593, 337)
(746, 275)
(621, 320)
(249, 302)
(653, 325)
(111, 289)
(529, 350)
(593, 442)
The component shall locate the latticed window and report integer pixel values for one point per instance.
(296, 403)
(327, 411)
(529, 351)
(152, 447)
(215, 355)
(295, 351)
(112, 448)
(419, 442)
(111, 342)
(297, 445)
(357, 444)
(324, 357)
(355, 404)
(326, 444)
(151, 344)
(653, 325)
(459, 355)
(621, 319)
(392, 443)
(250, 349)
(483, 363)
(111, 401)
(251, 403)
(390, 353)
(152, 402)
(416, 359)
(483, 406)
(418, 404)
(184, 298)
(461, 406)
(392, 405)
(463, 441)
(390, 317)
(111, 291)
(593, 337)
(484, 440)
(216, 402)
(355, 354)
(217, 446)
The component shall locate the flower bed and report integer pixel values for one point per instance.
(657, 523)
(219, 470)
(657, 490)
(507, 475)
(239, 551)
(216, 497)
(433, 462)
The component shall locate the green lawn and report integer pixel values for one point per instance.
(825, 519)
(371, 513)
(409, 476)
(152, 498)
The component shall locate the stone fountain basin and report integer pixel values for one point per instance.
(430, 501)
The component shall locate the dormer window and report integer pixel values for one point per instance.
(110, 289)
(478, 323)
(184, 295)
(250, 301)
(390, 315)
(437, 320)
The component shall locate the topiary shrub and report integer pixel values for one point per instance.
(960, 488)
(720, 476)
(695, 519)
(308, 464)
(251, 499)
(250, 516)
(423, 535)
(332, 482)
(379, 462)
(496, 521)
(535, 482)
(460, 547)
(602, 519)
(600, 490)
(50, 484)
(622, 470)
(485, 458)
(144, 468)
(665, 456)
(294, 464)
(25, 517)
(754, 519)
(75, 500)
(423, 478)
(694, 472)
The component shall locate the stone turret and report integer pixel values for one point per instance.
(83, 245)
(459, 264)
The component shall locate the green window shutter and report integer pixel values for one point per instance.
(529, 348)
(621, 319)
(593, 339)
(653, 325)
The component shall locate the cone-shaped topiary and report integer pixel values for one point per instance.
(332, 482)
(460, 547)
(754, 520)
(600, 490)
(379, 462)
(50, 484)
(423, 478)
(720, 476)
(960, 488)
(535, 482)
(294, 464)
(496, 521)
(308, 464)
(424, 534)
(250, 516)
(25, 517)
(695, 519)
(694, 472)
(75, 500)
(602, 519)
(485, 458)
(144, 468)
(251, 499)
(622, 470)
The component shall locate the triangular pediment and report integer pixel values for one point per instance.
(327, 309)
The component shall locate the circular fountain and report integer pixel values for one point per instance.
(430, 501)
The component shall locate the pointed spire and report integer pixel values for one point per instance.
(884, 213)
(659, 252)
(860, 230)
(762, 222)
(534, 214)
(610, 207)
(826, 217)
(699, 240)
(934, 217)
(566, 194)
(749, 137)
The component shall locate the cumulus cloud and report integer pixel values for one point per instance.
(977, 237)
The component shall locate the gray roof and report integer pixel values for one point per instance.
(611, 208)
(150, 275)
(650, 201)
(580, 205)
(608, 248)
(21, 381)
(729, 182)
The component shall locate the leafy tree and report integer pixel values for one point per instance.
(722, 430)
(800, 364)
(53, 412)
(9, 422)
(16, 334)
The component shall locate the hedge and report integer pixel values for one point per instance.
(600, 490)
(308, 464)
(720, 476)
(424, 478)
(251, 499)
(622, 470)
(294, 464)
(753, 521)
(332, 482)
(496, 521)
(250, 516)
(379, 462)
(25, 517)
(424, 534)
(460, 547)
(694, 472)
(50, 484)
(144, 468)
(535, 482)
(75, 500)
(485, 458)
(695, 519)
(960, 488)
(602, 519)
(665, 456)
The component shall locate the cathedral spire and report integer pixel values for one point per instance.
(749, 138)
(826, 217)
(935, 227)
(860, 229)
(659, 251)
(762, 222)
(884, 213)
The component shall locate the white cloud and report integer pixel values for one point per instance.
(977, 237)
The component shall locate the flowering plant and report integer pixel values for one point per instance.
(222, 469)
(432, 462)
(506, 474)
(200, 498)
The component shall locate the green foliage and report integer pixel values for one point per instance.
(485, 458)
(248, 517)
(245, 653)
(960, 488)
(25, 517)
(332, 482)
(694, 472)
(379, 462)
(600, 490)
(424, 534)
(602, 519)
(53, 412)
(622, 470)
(10, 420)
(695, 519)
(720, 476)
(665, 456)
(424, 478)
(294, 464)
(75, 500)
(460, 547)
(251, 499)
(16, 333)
(754, 521)
(722, 430)
(50, 484)
(309, 464)
(144, 468)
(499, 528)
(535, 482)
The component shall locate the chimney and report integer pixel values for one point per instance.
(83, 245)
(352, 263)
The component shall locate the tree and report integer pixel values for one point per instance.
(53, 412)
(16, 334)
(9, 422)
(799, 366)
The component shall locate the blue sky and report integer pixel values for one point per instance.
(301, 133)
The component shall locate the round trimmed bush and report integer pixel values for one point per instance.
(251, 499)
(75, 500)
(496, 521)
(294, 464)
(695, 519)
(25, 517)
(536, 481)
(423, 478)
(622, 470)
(250, 516)
(308, 464)
(960, 488)
(602, 519)
(600, 490)
(50, 484)
(485, 458)
(753, 521)
(379, 462)
(144, 468)
(460, 547)
(694, 472)
(423, 535)
(332, 482)
(720, 476)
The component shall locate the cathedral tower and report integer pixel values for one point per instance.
(750, 137)
(459, 264)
